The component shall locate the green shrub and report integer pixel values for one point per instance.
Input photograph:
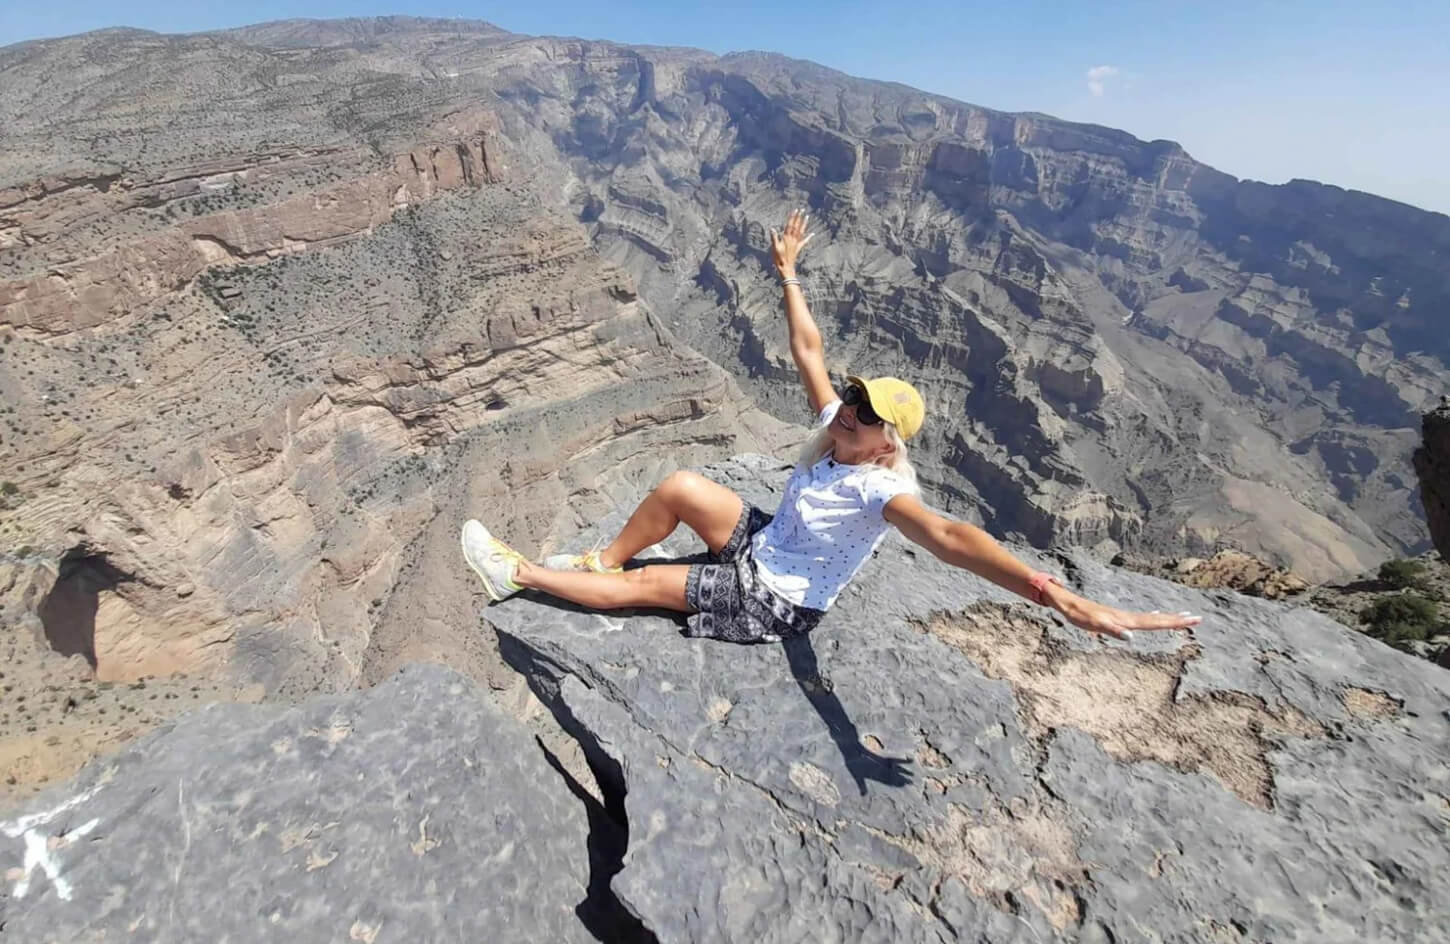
(1401, 618)
(8, 488)
(1402, 573)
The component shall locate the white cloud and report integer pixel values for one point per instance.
(1097, 76)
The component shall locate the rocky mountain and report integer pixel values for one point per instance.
(938, 761)
(252, 378)
(280, 306)
(1121, 347)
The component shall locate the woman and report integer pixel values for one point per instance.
(775, 576)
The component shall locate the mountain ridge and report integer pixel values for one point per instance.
(325, 26)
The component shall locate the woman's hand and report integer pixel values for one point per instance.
(786, 245)
(1120, 624)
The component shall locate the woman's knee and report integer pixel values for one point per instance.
(709, 508)
(682, 488)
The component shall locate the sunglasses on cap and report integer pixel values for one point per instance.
(855, 396)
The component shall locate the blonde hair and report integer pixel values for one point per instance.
(818, 445)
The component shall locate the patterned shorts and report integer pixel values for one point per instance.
(733, 604)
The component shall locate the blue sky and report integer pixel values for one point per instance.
(1353, 94)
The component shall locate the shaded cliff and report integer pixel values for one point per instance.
(1432, 465)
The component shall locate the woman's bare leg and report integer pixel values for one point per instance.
(710, 509)
(660, 585)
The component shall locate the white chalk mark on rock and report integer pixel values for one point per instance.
(186, 847)
(611, 625)
(41, 849)
(40, 852)
(26, 823)
(425, 843)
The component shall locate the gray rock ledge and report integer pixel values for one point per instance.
(941, 762)
(414, 811)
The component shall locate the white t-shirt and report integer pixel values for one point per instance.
(829, 521)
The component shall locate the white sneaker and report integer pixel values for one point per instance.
(586, 563)
(494, 561)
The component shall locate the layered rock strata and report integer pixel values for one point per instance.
(1121, 347)
(244, 462)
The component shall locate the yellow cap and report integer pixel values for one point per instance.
(895, 401)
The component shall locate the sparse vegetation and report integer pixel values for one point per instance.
(1401, 619)
(1402, 574)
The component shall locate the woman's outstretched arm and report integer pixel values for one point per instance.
(805, 338)
(969, 547)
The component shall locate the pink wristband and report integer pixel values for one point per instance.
(1039, 582)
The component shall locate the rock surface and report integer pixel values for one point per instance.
(414, 811)
(939, 761)
(936, 762)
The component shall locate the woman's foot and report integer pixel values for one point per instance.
(495, 562)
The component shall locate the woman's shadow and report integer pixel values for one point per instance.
(862, 763)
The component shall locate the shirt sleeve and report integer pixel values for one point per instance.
(828, 413)
(880, 487)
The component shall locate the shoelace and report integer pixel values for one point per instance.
(501, 551)
(590, 558)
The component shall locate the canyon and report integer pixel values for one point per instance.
(281, 306)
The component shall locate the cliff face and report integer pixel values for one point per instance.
(248, 397)
(1432, 465)
(1118, 343)
(1121, 347)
